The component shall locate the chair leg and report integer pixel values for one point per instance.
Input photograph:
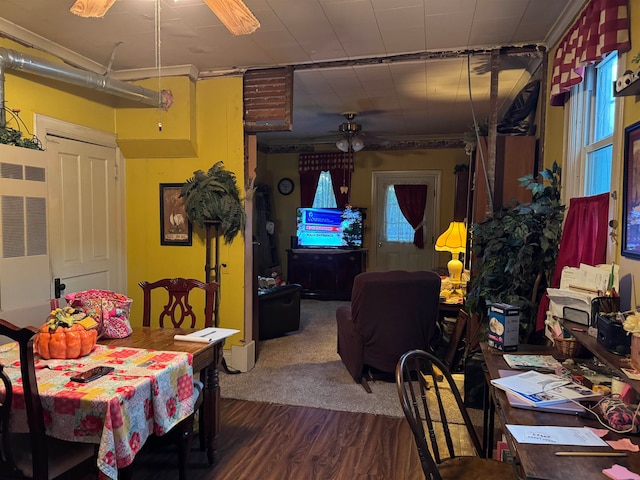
(184, 436)
(125, 473)
(365, 384)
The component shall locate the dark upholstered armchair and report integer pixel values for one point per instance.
(390, 314)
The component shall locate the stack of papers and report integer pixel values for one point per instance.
(541, 389)
(207, 335)
(531, 362)
(549, 435)
(568, 407)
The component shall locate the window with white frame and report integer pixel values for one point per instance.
(590, 128)
(325, 197)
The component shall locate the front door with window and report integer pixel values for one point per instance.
(393, 248)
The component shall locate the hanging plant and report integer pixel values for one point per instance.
(214, 196)
(11, 136)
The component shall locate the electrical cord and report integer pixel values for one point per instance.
(635, 422)
(476, 131)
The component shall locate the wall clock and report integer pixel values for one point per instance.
(285, 186)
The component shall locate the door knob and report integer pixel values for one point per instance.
(58, 287)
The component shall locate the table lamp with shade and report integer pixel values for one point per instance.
(453, 240)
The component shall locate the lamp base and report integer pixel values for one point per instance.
(455, 269)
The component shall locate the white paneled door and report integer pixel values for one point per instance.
(83, 229)
(60, 220)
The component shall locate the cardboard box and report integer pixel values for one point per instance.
(504, 326)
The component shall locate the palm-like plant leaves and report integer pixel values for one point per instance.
(214, 196)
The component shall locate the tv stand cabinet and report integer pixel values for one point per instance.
(325, 274)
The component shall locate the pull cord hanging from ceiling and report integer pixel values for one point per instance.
(158, 55)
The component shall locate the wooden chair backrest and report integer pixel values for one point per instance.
(33, 406)
(178, 308)
(418, 372)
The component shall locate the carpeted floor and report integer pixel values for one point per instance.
(304, 369)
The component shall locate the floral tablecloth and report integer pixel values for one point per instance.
(148, 392)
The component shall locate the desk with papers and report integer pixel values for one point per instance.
(541, 461)
(579, 288)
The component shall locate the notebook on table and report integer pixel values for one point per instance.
(569, 408)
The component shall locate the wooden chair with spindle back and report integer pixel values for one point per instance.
(429, 398)
(34, 454)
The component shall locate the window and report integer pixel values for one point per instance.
(324, 197)
(590, 128)
(396, 227)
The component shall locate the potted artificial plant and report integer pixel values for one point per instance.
(515, 251)
(214, 197)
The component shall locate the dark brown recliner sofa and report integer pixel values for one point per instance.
(390, 313)
(278, 311)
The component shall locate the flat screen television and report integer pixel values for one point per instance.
(330, 227)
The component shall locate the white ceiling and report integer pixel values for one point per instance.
(402, 64)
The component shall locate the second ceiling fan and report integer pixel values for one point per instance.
(351, 134)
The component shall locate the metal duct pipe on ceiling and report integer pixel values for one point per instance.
(12, 60)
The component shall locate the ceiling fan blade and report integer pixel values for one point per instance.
(91, 8)
(235, 15)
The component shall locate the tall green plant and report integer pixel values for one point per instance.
(214, 196)
(515, 250)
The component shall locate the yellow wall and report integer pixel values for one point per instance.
(216, 123)
(219, 123)
(273, 167)
(138, 129)
(554, 125)
(630, 268)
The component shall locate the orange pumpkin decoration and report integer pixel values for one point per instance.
(61, 342)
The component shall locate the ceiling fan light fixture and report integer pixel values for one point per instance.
(357, 144)
(343, 145)
(91, 8)
(235, 15)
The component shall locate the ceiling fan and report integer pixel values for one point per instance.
(351, 134)
(234, 14)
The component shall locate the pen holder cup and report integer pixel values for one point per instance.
(568, 347)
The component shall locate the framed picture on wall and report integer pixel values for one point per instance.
(175, 228)
(631, 193)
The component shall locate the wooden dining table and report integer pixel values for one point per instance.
(206, 359)
(147, 392)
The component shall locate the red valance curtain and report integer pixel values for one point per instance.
(340, 167)
(584, 240)
(412, 200)
(601, 28)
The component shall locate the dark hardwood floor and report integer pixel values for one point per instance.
(261, 441)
